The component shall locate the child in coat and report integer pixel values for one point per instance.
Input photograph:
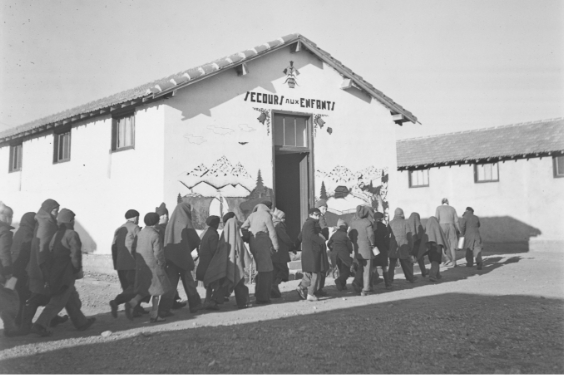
(341, 249)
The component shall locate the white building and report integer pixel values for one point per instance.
(283, 121)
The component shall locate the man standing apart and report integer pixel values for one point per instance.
(448, 220)
(312, 251)
(123, 255)
(470, 230)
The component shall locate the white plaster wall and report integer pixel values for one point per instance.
(526, 191)
(208, 120)
(99, 186)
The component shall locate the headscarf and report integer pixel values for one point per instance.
(213, 221)
(48, 205)
(278, 216)
(341, 223)
(228, 216)
(414, 226)
(261, 207)
(23, 235)
(180, 237)
(362, 211)
(65, 216)
(398, 213)
(151, 219)
(161, 210)
(321, 203)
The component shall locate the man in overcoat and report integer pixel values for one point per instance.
(312, 250)
(448, 220)
(470, 230)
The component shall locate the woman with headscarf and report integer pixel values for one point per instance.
(362, 238)
(226, 271)
(263, 240)
(341, 250)
(208, 248)
(416, 229)
(62, 269)
(400, 246)
(150, 274)
(179, 240)
(45, 227)
(281, 258)
(20, 251)
(433, 244)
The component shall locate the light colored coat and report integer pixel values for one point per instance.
(150, 277)
(263, 238)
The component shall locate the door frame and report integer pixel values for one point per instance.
(309, 150)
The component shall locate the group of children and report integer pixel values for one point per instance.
(42, 261)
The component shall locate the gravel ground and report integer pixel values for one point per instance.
(507, 318)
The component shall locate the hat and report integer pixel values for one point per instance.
(49, 205)
(378, 215)
(213, 221)
(341, 223)
(151, 219)
(321, 203)
(131, 214)
(470, 209)
(65, 216)
(161, 210)
(314, 210)
(267, 204)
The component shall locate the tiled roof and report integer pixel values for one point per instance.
(510, 141)
(161, 87)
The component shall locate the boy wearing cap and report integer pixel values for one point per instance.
(341, 250)
(123, 256)
(62, 268)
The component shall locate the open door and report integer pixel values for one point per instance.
(293, 167)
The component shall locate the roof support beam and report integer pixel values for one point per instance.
(242, 70)
(296, 47)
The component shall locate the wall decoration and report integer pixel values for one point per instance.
(194, 139)
(222, 188)
(318, 123)
(344, 190)
(247, 128)
(264, 117)
(291, 74)
(273, 99)
(219, 130)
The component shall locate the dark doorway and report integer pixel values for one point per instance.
(293, 167)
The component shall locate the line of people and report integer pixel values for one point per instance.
(44, 258)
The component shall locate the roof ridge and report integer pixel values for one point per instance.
(483, 129)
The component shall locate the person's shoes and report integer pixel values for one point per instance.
(345, 287)
(128, 311)
(165, 314)
(412, 280)
(302, 293)
(356, 288)
(59, 320)
(479, 266)
(199, 307)
(114, 308)
(364, 294)
(432, 280)
(40, 330)
(158, 319)
(212, 306)
(439, 276)
(87, 325)
(275, 292)
(424, 272)
(339, 286)
(321, 293)
(312, 298)
(178, 304)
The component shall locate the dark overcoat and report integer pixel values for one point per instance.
(6, 237)
(208, 247)
(66, 260)
(123, 254)
(341, 247)
(470, 230)
(285, 243)
(400, 242)
(45, 228)
(313, 247)
(382, 241)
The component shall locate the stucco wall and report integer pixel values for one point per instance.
(99, 186)
(527, 199)
(217, 118)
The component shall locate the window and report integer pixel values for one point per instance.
(558, 164)
(123, 132)
(15, 158)
(290, 131)
(419, 178)
(486, 172)
(62, 147)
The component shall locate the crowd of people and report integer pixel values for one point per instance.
(41, 262)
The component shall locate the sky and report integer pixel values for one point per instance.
(455, 64)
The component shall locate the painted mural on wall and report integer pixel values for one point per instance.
(345, 189)
(223, 187)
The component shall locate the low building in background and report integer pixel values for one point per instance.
(513, 177)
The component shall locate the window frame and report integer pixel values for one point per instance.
(11, 168)
(308, 129)
(555, 166)
(477, 181)
(56, 135)
(115, 132)
(411, 185)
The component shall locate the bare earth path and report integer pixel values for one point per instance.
(507, 318)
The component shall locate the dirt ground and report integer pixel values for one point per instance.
(507, 318)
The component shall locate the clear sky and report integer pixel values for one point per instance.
(457, 65)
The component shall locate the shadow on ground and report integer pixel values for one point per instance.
(446, 333)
